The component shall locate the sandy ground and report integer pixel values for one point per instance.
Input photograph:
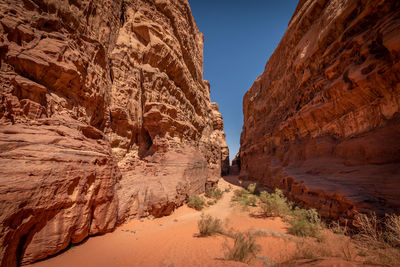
(172, 240)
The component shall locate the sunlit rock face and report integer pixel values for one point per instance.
(322, 122)
(104, 116)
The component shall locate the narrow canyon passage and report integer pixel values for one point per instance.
(170, 240)
(116, 114)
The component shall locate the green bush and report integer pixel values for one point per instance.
(214, 193)
(209, 226)
(240, 193)
(243, 198)
(305, 223)
(244, 247)
(252, 188)
(275, 204)
(196, 202)
(302, 222)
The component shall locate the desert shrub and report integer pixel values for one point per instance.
(379, 238)
(214, 193)
(243, 198)
(248, 201)
(209, 226)
(275, 204)
(376, 232)
(308, 249)
(228, 189)
(369, 230)
(244, 247)
(392, 233)
(339, 229)
(305, 223)
(339, 246)
(196, 202)
(252, 188)
(240, 193)
(211, 202)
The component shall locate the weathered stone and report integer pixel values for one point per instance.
(104, 116)
(235, 167)
(322, 122)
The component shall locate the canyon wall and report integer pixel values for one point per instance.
(104, 116)
(322, 121)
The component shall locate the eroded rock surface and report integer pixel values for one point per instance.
(104, 116)
(322, 122)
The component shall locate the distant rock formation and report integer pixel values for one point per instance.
(322, 122)
(235, 167)
(104, 116)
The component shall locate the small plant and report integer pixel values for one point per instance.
(368, 229)
(252, 188)
(209, 226)
(244, 247)
(240, 193)
(228, 189)
(211, 202)
(308, 249)
(305, 223)
(338, 229)
(392, 233)
(380, 233)
(214, 193)
(196, 202)
(244, 199)
(379, 238)
(275, 204)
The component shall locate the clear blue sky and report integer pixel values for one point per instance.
(240, 36)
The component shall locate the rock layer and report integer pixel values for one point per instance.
(104, 116)
(322, 122)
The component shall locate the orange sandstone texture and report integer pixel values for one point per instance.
(322, 122)
(104, 116)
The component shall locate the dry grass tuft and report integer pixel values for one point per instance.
(379, 239)
(209, 226)
(392, 233)
(244, 247)
(339, 229)
(196, 202)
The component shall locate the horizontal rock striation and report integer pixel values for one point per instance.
(104, 116)
(322, 122)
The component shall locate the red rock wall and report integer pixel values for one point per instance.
(322, 122)
(104, 115)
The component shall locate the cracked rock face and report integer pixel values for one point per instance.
(104, 116)
(322, 122)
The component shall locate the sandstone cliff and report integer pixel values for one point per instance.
(104, 115)
(322, 122)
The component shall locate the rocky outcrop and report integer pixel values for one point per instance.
(104, 116)
(322, 122)
(219, 135)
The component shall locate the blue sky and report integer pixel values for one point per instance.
(240, 36)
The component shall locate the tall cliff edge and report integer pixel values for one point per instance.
(322, 122)
(104, 116)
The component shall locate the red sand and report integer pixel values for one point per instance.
(172, 241)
